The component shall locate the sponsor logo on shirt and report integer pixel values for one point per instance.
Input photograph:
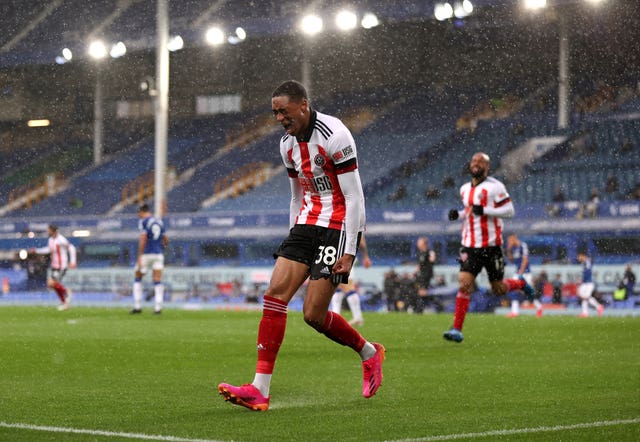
(343, 153)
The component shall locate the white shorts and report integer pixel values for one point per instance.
(154, 261)
(585, 290)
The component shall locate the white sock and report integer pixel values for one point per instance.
(158, 290)
(137, 295)
(538, 304)
(262, 382)
(594, 303)
(585, 307)
(368, 351)
(336, 301)
(515, 307)
(353, 299)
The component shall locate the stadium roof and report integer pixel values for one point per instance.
(36, 31)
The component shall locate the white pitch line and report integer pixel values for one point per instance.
(101, 433)
(446, 437)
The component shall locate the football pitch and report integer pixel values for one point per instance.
(100, 374)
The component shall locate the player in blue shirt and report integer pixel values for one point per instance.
(151, 244)
(518, 254)
(587, 287)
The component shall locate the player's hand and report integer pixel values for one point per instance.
(343, 265)
(477, 210)
(73, 265)
(366, 262)
(453, 215)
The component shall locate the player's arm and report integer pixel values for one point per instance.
(40, 250)
(502, 209)
(352, 191)
(364, 252)
(142, 243)
(296, 197)
(165, 240)
(525, 259)
(72, 255)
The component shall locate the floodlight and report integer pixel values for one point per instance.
(215, 36)
(595, 2)
(23, 254)
(175, 43)
(369, 20)
(535, 4)
(346, 20)
(97, 50)
(39, 123)
(239, 36)
(67, 54)
(118, 50)
(311, 24)
(443, 11)
(462, 9)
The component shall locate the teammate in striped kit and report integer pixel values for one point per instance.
(62, 255)
(486, 203)
(327, 218)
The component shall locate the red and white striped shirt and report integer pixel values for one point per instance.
(326, 187)
(485, 230)
(61, 250)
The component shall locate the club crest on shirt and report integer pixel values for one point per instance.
(319, 160)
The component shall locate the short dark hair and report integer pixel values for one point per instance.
(53, 227)
(144, 208)
(292, 89)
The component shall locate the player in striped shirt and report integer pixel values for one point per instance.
(62, 255)
(485, 204)
(327, 219)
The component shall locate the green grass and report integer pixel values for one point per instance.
(104, 370)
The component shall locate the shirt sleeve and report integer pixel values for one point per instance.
(354, 203)
(296, 200)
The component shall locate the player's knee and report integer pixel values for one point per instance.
(314, 323)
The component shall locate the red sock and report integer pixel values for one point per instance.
(462, 305)
(514, 284)
(60, 291)
(337, 329)
(270, 333)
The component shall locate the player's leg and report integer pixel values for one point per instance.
(463, 298)
(158, 287)
(353, 299)
(584, 293)
(54, 282)
(336, 328)
(336, 299)
(139, 272)
(286, 278)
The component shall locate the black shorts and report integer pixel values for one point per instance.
(317, 247)
(491, 258)
(57, 274)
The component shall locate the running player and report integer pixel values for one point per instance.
(518, 254)
(486, 203)
(587, 287)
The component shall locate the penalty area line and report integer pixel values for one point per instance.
(48, 429)
(446, 437)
